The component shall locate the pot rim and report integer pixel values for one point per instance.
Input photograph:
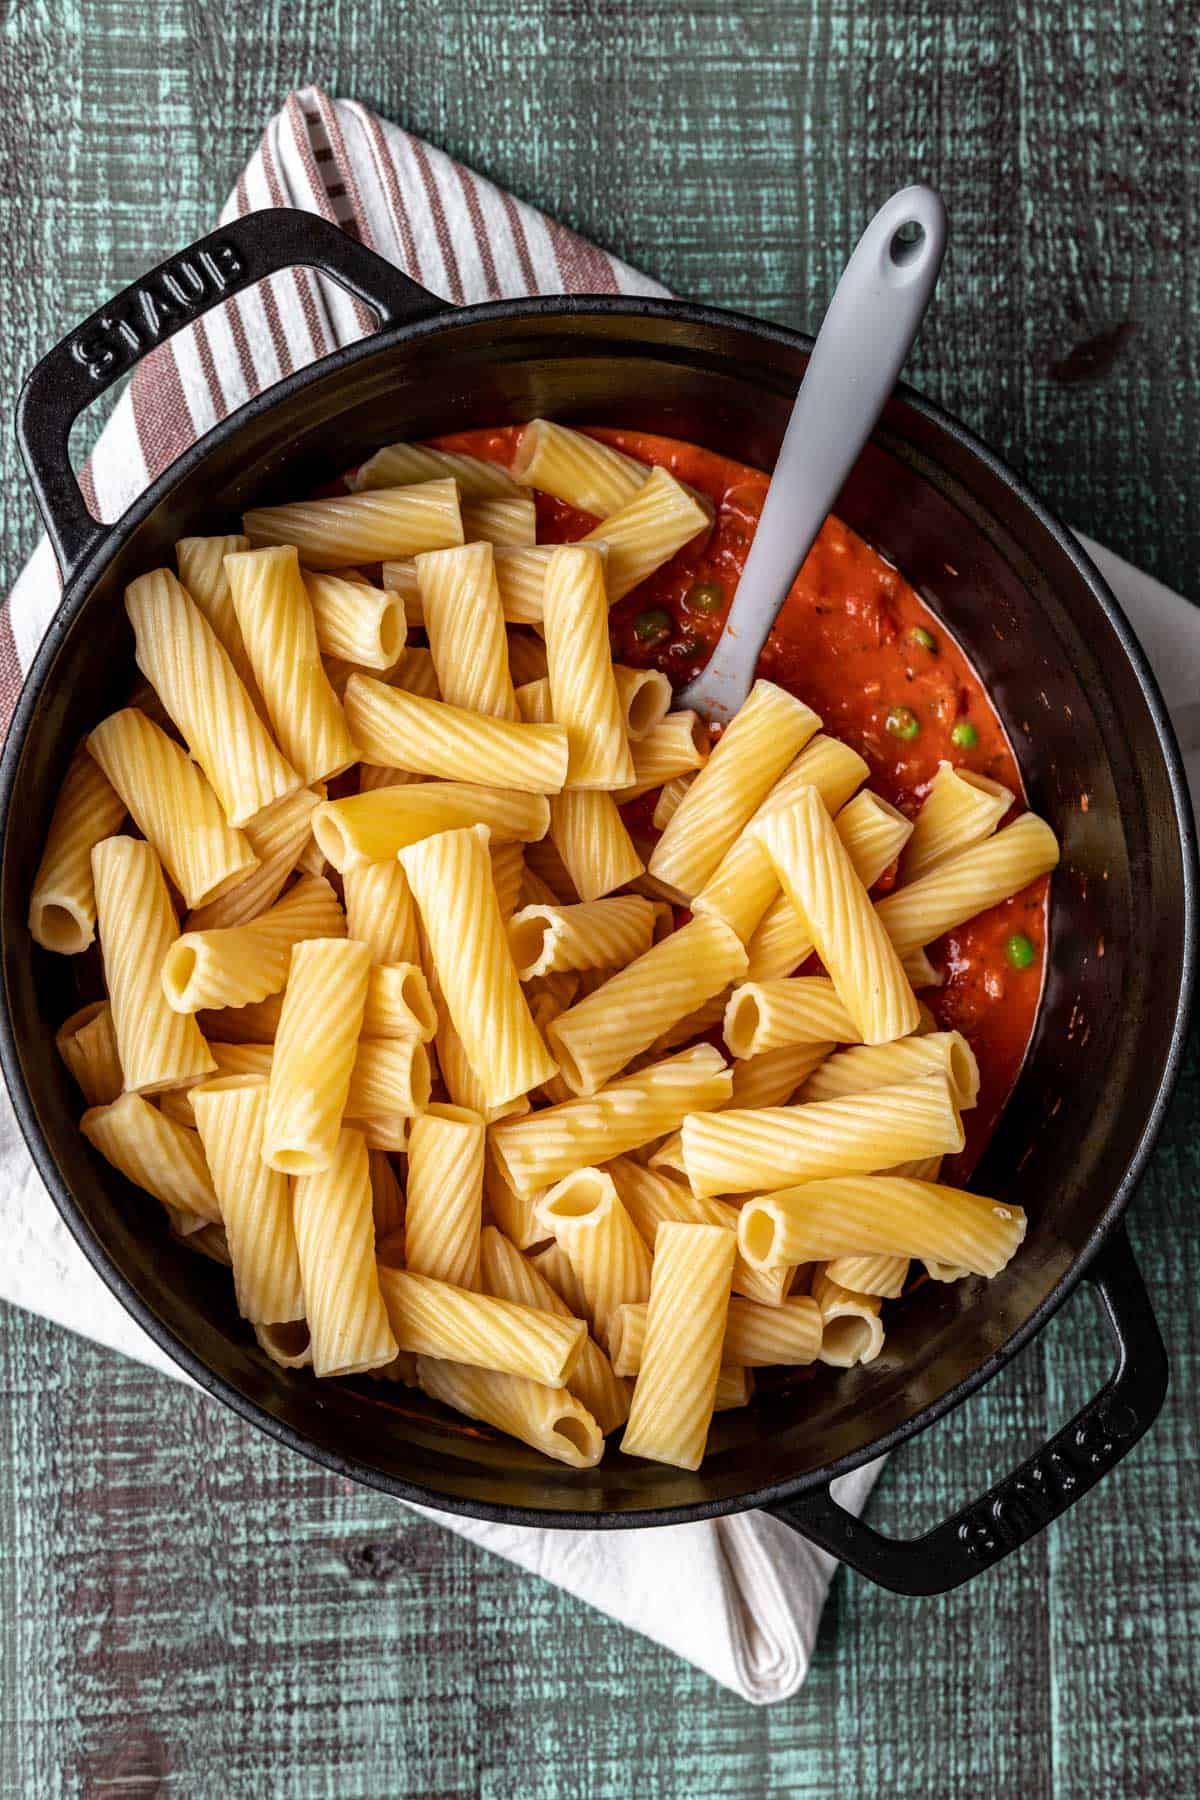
(568, 307)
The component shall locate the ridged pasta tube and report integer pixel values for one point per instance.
(505, 519)
(735, 1151)
(771, 728)
(596, 934)
(315, 1049)
(158, 1048)
(390, 1076)
(154, 1153)
(513, 1213)
(280, 635)
(62, 905)
(852, 1328)
(676, 1386)
(400, 465)
(376, 526)
(677, 745)
(431, 737)
(451, 880)
(880, 1215)
(290, 1346)
(387, 1198)
(360, 624)
(581, 471)
(279, 837)
(744, 883)
(960, 809)
(554, 1266)
(190, 670)
(257, 1023)
(460, 604)
(399, 1004)
(335, 1242)
(537, 1151)
(586, 1215)
(172, 806)
(87, 1044)
(802, 1009)
(600, 1034)
(255, 1201)
(756, 1336)
(381, 912)
(859, 1070)
(881, 1275)
(872, 833)
(645, 696)
(966, 884)
(445, 1195)
(647, 530)
(508, 1275)
(819, 878)
(651, 1199)
(548, 1419)
(201, 565)
(435, 1319)
(586, 829)
(242, 963)
(667, 804)
(373, 827)
(583, 690)
(773, 1076)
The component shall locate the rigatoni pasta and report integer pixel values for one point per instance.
(62, 905)
(769, 730)
(255, 1201)
(335, 1243)
(190, 671)
(374, 827)
(374, 526)
(241, 963)
(464, 618)
(87, 1044)
(431, 737)
(676, 1386)
(156, 1154)
(600, 1034)
(360, 624)
(315, 1050)
(583, 689)
(172, 805)
(280, 635)
(158, 1047)
(445, 1195)
(818, 877)
(960, 809)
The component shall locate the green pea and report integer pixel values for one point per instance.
(653, 625)
(704, 597)
(924, 639)
(964, 735)
(1019, 950)
(902, 722)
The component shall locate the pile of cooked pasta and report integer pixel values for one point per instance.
(401, 1022)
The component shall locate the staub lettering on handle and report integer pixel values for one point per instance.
(1046, 1485)
(155, 308)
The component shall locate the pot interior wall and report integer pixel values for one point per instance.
(1083, 736)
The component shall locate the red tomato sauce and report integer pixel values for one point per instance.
(844, 643)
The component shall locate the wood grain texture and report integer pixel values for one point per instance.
(185, 1608)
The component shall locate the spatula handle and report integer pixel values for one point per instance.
(870, 326)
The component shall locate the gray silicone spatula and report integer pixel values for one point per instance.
(873, 318)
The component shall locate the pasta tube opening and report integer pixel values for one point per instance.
(578, 1196)
(60, 925)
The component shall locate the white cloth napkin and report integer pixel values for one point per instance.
(739, 1597)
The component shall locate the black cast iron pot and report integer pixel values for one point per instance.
(1077, 698)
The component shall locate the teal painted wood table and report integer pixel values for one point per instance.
(185, 1608)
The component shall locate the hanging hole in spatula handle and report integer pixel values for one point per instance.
(108, 345)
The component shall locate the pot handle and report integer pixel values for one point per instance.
(117, 336)
(1024, 1502)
